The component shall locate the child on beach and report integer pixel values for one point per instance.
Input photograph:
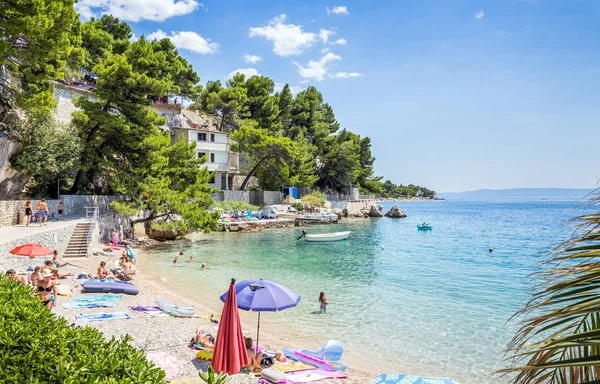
(254, 359)
(323, 301)
(177, 257)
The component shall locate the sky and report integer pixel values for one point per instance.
(455, 95)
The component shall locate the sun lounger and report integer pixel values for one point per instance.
(408, 379)
(102, 316)
(89, 304)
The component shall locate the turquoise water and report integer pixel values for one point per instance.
(431, 303)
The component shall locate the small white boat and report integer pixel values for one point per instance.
(334, 236)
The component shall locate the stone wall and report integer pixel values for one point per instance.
(55, 238)
(74, 205)
(64, 95)
(353, 207)
(249, 226)
(272, 197)
(9, 210)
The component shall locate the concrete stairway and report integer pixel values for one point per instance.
(78, 245)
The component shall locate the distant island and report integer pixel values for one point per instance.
(521, 193)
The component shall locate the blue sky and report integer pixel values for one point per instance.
(455, 95)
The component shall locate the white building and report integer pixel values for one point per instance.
(211, 143)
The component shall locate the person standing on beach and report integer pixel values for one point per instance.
(45, 288)
(42, 208)
(323, 301)
(61, 211)
(177, 257)
(28, 213)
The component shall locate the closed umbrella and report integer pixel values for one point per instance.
(230, 350)
(31, 250)
(263, 295)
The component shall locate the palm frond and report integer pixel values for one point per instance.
(559, 338)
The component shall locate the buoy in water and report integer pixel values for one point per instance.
(382, 247)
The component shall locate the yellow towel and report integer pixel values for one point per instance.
(291, 367)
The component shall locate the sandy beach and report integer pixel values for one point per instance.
(170, 334)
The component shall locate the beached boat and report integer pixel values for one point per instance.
(424, 227)
(334, 236)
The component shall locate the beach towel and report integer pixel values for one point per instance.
(97, 298)
(312, 375)
(102, 316)
(291, 366)
(407, 379)
(145, 308)
(168, 363)
(91, 304)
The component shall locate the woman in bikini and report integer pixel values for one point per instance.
(45, 288)
(58, 263)
(42, 208)
(28, 213)
(102, 272)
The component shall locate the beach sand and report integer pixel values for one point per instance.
(171, 334)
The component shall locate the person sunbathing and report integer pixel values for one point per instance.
(48, 267)
(203, 339)
(58, 263)
(11, 274)
(254, 358)
(102, 271)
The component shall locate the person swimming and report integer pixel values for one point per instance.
(177, 257)
(491, 249)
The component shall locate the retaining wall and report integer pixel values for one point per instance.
(55, 238)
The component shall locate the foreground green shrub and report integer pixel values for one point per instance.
(38, 347)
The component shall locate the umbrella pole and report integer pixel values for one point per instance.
(257, 332)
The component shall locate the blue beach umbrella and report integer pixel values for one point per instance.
(263, 296)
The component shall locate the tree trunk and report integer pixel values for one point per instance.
(252, 171)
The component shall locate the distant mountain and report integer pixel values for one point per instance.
(521, 193)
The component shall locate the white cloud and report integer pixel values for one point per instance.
(187, 40)
(501, 32)
(324, 50)
(305, 81)
(479, 15)
(248, 72)
(252, 58)
(137, 10)
(339, 42)
(288, 39)
(345, 75)
(338, 10)
(317, 69)
(325, 33)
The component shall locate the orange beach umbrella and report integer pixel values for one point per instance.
(230, 350)
(31, 250)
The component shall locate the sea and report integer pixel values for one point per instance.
(433, 303)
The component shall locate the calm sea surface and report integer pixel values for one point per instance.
(430, 303)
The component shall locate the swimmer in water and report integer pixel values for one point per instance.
(190, 259)
(491, 249)
(177, 257)
(203, 267)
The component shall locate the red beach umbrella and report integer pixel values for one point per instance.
(230, 350)
(31, 250)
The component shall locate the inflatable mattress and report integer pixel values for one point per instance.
(110, 286)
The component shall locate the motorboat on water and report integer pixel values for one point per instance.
(322, 237)
(424, 227)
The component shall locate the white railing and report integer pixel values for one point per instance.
(92, 214)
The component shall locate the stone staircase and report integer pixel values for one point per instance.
(80, 239)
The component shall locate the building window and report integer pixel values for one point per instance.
(212, 178)
(212, 157)
(201, 154)
(201, 136)
(212, 137)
